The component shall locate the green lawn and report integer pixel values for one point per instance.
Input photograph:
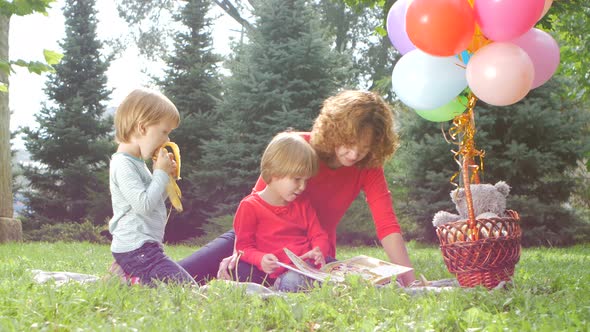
(551, 292)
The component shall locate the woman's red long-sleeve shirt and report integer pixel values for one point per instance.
(332, 191)
(262, 228)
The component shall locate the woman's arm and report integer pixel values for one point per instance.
(386, 225)
(396, 251)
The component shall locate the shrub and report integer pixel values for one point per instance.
(212, 229)
(357, 227)
(67, 232)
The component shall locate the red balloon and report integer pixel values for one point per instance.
(440, 27)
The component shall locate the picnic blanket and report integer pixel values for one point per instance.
(60, 278)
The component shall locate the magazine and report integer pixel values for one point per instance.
(374, 270)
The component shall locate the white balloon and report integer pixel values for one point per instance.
(423, 81)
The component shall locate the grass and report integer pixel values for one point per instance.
(551, 292)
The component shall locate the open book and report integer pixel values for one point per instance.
(374, 270)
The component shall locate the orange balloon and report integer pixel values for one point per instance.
(440, 27)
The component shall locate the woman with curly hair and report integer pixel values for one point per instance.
(353, 137)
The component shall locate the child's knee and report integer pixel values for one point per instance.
(169, 271)
(292, 282)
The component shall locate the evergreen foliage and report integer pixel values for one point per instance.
(192, 82)
(278, 81)
(70, 148)
(530, 145)
(567, 22)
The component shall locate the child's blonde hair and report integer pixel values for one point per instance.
(343, 119)
(142, 106)
(288, 155)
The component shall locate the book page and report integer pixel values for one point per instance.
(306, 269)
(371, 269)
(312, 273)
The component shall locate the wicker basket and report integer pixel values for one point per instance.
(487, 260)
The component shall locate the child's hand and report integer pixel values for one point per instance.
(269, 263)
(174, 165)
(315, 255)
(164, 162)
(226, 265)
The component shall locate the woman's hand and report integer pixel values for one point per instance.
(226, 265)
(395, 248)
(269, 263)
(315, 255)
(406, 279)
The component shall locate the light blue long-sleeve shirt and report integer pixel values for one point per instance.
(139, 212)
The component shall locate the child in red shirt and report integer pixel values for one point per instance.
(353, 136)
(280, 216)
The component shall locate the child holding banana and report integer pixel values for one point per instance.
(143, 122)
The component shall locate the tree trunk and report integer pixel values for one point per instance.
(10, 229)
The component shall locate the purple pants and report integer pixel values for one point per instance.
(150, 264)
(203, 264)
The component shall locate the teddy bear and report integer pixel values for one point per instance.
(489, 201)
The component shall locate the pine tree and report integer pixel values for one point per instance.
(192, 82)
(72, 143)
(278, 81)
(531, 145)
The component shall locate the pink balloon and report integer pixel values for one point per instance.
(500, 74)
(504, 20)
(543, 51)
(396, 27)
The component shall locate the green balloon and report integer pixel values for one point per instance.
(447, 112)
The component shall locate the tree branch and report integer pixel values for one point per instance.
(232, 11)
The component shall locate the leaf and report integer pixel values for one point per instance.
(26, 7)
(39, 67)
(36, 67)
(5, 67)
(52, 57)
(20, 62)
(381, 31)
(3, 87)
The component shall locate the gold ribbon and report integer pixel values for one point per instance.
(462, 134)
(478, 41)
(464, 127)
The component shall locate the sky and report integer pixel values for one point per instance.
(30, 34)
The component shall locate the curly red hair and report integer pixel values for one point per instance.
(343, 119)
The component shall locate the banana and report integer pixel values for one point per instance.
(172, 188)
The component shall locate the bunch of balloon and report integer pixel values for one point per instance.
(452, 47)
